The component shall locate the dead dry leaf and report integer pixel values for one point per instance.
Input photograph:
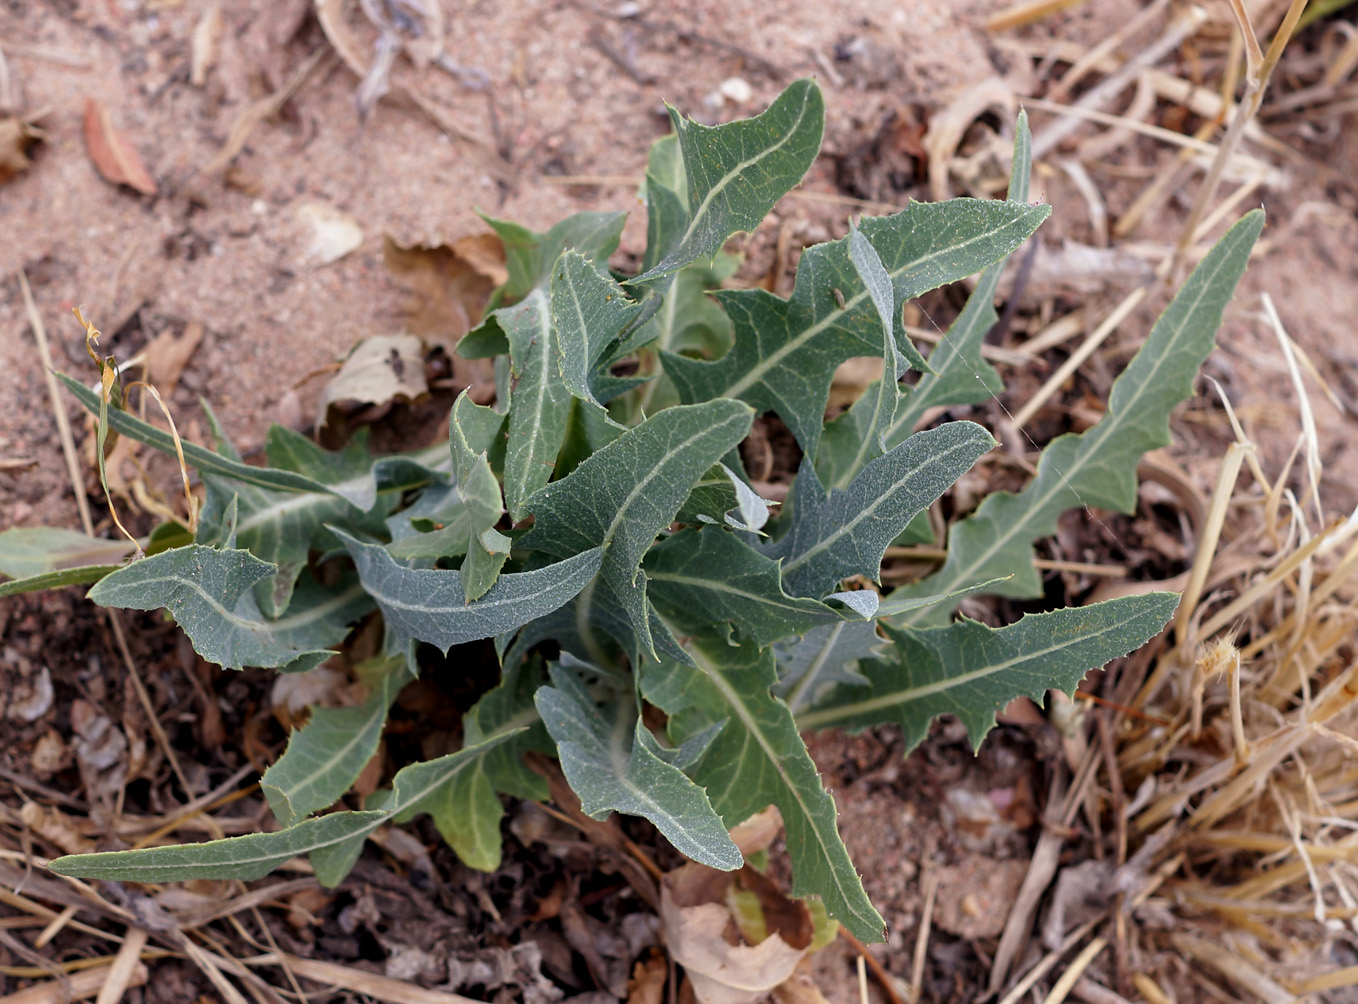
(29, 698)
(50, 755)
(446, 285)
(168, 354)
(380, 370)
(16, 136)
(758, 832)
(703, 937)
(294, 693)
(649, 975)
(100, 751)
(333, 233)
(799, 988)
(55, 827)
(113, 154)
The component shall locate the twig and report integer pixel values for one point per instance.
(1077, 358)
(620, 61)
(54, 394)
(1181, 28)
(1025, 12)
(878, 972)
(1258, 70)
(359, 981)
(82, 503)
(124, 968)
(78, 987)
(921, 955)
(1076, 970)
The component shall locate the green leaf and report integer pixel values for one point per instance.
(737, 171)
(362, 492)
(626, 493)
(256, 854)
(699, 578)
(471, 430)
(847, 533)
(539, 403)
(786, 351)
(209, 593)
(723, 497)
(1098, 467)
(614, 763)
(41, 550)
(81, 576)
(590, 310)
(972, 671)
(467, 811)
(429, 604)
(880, 399)
(826, 658)
(282, 527)
(529, 256)
(958, 373)
(758, 759)
(688, 322)
(666, 192)
(326, 755)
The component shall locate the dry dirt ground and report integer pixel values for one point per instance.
(557, 104)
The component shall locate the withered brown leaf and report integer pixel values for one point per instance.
(113, 154)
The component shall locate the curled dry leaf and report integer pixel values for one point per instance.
(113, 154)
(703, 935)
(380, 370)
(57, 828)
(649, 976)
(16, 136)
(446, 285)
(294, 693)
(167, 355)
(29, 699)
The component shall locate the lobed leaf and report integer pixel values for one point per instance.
(785, 352)
(957, 374)
(326, 755)
(429, 605)
(835, 535)
(332, 839)
(467, 810)
(41, 550)
(1098, 467)
(209, 593)
(614, 763)
(625, 494)
(590, 311)
(758, 759)
(471, 432)
(737, 171)
(700, 578)
(972, 671)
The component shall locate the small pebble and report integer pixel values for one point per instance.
(736, 90)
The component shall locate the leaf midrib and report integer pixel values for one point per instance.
(1089, 448)
(770, 756)
(756, 372)
(849, 526)
(828, 716)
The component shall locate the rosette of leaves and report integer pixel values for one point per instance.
(598, 516)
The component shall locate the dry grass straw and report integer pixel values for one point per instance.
(1228, 757)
